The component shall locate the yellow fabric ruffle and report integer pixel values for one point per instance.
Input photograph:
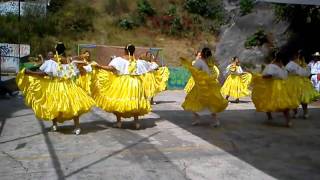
(85, 81)
(155, 81)
(205, 94)
(53, 98)
(121, 94)
(302, 88)
(215, 73)
(237, 86)
(273, 95)
(189, 85)
(161, 77)
(309, 93)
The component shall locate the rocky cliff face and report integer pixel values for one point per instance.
(233, 36)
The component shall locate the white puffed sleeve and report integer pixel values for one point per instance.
(120, 64)
(292, 68)
(88, 68)
(275, 71)
(143, 67)
(50, 67)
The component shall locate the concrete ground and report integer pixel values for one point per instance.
(167, 146)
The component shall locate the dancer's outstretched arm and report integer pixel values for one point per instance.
(39, 73)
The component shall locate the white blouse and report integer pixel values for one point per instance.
(50, 67)
(315, 67)
(294, 68)
(122, 66)
(275, 71)
(238, 70)
(201, 65)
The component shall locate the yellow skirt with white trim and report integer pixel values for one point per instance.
(237, 86)
(123, 95)
(273, 95)
(59, 99)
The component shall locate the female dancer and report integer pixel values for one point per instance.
(156, 80)
(300, 83)
(237, 83)
(271, 92)
(51, 92)
(205, 94)
(86, 69)
(119, 87)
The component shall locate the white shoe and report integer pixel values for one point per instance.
(195, 122)
(54, 128)
(216, 123)
(306, 116)
(137, 125)
(117, 125)
(289, 124)
(77, 131)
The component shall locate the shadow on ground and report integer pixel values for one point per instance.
(284, 153)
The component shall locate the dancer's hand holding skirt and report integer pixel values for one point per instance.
(54, 98)
(205, 94)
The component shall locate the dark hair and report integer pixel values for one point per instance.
(206, 53)
(234, 58)
(60, 48)
(129, 49)
(277, 57)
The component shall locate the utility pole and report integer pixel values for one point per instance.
(19, 30)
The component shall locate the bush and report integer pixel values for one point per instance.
(176, 27)
(72, 21)
(209, 9)
(246, 6)
(42, 32)
(126, 24)
(145, 8)
(257, 39)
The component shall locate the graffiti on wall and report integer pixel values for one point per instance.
(12, 7)
(178, 78)
(9, 56)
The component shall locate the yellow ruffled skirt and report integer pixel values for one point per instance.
(302, 88)
(205, 94)
(273, 95)
(123, 95)
(237, 86)
(155, 81)
(85, 81)
(309, 93)
(189, 85)
(24, 82)
(161, 77)
(53, 98)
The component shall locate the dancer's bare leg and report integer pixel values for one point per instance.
(295, 113)
(216, 122)
(119, 122)
(77, 129)
(287, 116)
(269, 116)
(54, 126)
(305, 111)
(196, 119)
(136, 121)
